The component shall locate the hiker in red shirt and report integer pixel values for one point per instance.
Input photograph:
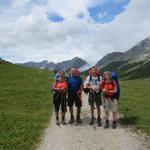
(59, 98)
(109, 90)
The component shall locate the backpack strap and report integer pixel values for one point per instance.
(97, 77)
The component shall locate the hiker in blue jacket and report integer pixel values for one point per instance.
(75, 86)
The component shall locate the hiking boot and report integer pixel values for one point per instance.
(63, 121)
(79, 120)
(92, 121)
(71, 120)
(57, 121)
(114, 125)
(106, 124)
(99, 122)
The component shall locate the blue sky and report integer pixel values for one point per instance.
(107, 11)
(57, 30)
(101, 13)
(55, 17)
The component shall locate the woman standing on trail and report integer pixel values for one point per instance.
(109, 89)
(59, 98)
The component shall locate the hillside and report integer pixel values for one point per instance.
(25, 106)
(3, 61)
(134, 63)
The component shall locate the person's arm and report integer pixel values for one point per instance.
(104, 90)
(87, 85)
(65, 86)
(100, 84)
(55, 88)
(115, 88)
(81, 84)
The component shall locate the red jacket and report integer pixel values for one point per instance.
(111, 89)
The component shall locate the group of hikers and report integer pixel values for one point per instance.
(68, 91)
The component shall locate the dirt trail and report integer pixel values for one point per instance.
(86, 137)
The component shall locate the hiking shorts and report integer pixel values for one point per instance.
(110, 105)
(94, 98)
(74, 98)
(59, 100)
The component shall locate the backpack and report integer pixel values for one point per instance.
(86, 90)
(97, 77)
(116, 78)
(108, 84)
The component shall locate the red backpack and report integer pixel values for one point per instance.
(109, 86)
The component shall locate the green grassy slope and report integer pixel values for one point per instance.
(25, 106)
(138, 70)
(135, 103)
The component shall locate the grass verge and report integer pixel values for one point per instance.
(135, 103)
(25, 106)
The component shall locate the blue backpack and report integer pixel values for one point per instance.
(116, 78)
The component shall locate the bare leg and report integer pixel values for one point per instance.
(78, 112)
(114, 116)
(78, 115)
(71, 115)
(71, 110)
(98, 111)
(57, 115)
(114, 125)
(99, 115)
(107, 115)
(107, 119)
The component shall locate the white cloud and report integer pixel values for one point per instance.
(31, 36)
(19, 3)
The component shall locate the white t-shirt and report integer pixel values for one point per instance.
(94, 82)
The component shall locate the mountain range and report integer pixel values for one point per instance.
(131, 64)
(65, 65)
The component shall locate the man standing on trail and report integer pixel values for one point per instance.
(75, 86)
(109, 89)
(93, 83)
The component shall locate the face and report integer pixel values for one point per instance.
(94, 71)
(73, 72)
(107, 76)
(62, 73)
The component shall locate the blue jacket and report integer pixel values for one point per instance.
(74, 83)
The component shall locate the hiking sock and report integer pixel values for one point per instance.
(63, 121)
(71, 119)
(79, 119)
(92, 121)
(106, 124)
(99, 121)
(114, 125)
(57, 121)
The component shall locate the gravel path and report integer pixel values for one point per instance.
(86, 137)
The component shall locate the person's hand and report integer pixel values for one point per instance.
(104, 90)
(112, 92)
(88, 86)
(62, 88)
